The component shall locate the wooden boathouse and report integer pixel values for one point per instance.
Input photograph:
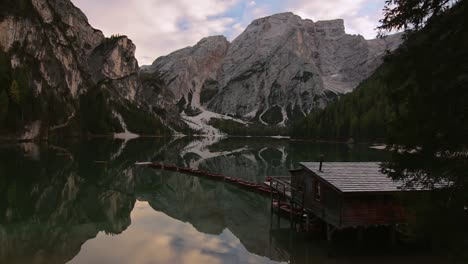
(341, 194)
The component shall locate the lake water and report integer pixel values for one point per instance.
(87, 202)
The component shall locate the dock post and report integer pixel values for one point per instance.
(291, 208)
(360, 236)
(279, 209)
(329, 234)
(271, 197)
(271, 206)
(393, 236)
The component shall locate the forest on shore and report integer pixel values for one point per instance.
(416, 103)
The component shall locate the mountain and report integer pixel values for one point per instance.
(60, 77)
(189, 72)
(279, 69)
(420, 91)
(183, 80)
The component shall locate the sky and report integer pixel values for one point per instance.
(159, 27)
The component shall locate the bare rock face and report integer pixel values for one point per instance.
(67, 76)
(114, 61)
(280, 68)
(191, 72)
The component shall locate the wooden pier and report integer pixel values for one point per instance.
(286, 200)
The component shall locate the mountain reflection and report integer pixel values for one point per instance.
(55, 198)
(59, 197)
(155, 237)
(213, 207)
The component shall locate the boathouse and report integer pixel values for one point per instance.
(349, 194)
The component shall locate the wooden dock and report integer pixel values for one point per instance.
(288, 201)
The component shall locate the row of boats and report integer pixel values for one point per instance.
(260, 188)
(281, 207)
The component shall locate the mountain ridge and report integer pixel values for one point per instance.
(279, 69)
(62, 77)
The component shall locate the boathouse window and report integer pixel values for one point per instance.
(317, 191)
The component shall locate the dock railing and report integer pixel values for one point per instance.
(282, 185)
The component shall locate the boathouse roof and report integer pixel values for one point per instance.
(349, 177)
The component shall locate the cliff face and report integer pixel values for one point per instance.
(190, 74)
(60, 76)
(429, 57)
(280, 68)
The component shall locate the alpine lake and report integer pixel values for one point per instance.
(89, 202)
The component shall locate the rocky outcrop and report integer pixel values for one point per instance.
(280, 68)
(191, 74)
(63, 77)
(114, 60)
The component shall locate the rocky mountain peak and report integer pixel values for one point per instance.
(212, 40)
(188, 70)
(72, 19)
(70, 78)
(286, 17)
(281, 23)
(280, 68)
(270, 27)
(331, 28)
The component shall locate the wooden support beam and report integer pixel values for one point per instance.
(393, 236)
(279, 206)
(271, 208)
(291, 208)
(360, 236)
(330, 231)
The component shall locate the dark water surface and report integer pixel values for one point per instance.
(87, 202)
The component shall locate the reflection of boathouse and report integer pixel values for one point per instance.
(341, 194)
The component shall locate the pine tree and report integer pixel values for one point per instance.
(411, 14)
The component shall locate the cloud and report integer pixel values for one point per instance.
(364, 26)
(237, 29)
(159, 27)
(252, 10)
(326, 9)
(155, 237)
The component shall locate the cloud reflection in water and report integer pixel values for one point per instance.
(154, 237)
